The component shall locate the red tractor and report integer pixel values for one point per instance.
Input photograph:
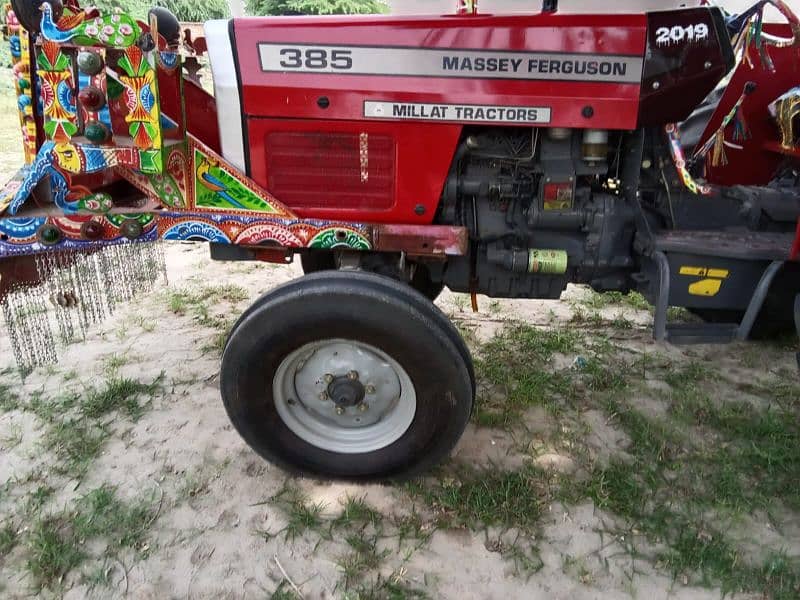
(498, 155)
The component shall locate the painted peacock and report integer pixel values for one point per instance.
(116, 29)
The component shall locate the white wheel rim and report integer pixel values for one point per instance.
(316, 390)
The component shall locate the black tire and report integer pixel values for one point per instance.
(314, 262)
(29, 15)
(422, 303)
(367, 309)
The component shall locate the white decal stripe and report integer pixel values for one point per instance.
(427, 62)
(226, 91)
(463, 113)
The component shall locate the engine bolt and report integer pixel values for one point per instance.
(370, 389)
(353, 375)
(328, 378)
(339, 410)
(363, 407)
(323, 396)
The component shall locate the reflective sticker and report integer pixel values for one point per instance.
(711, 281)
(430, 62)
(470, 113)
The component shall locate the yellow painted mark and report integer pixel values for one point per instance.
(706, 287)
(711, 281)
(705, 272)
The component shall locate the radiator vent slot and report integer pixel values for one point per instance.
(330, 170)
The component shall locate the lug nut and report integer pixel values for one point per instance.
(323, 396)
(363, 407)
(328, 378)
(370, 389)
(339, 410)
(353, 375)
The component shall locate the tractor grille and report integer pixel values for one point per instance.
(331, 170)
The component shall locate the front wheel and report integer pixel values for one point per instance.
(348, 375)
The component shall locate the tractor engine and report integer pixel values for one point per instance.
(542, 209)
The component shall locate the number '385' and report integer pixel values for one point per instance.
(316, 58)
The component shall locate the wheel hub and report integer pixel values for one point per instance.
(346, 392)
(344, 396)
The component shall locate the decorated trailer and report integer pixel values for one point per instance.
(498, 155)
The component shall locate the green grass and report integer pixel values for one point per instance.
(303, 516)
(356, 512)
(685, 479)
(364, 556)
(478, 499)
(53, 551)
(9, 399)
(75, 430)
(284, 591)
(76, 443)
(385, 588)
(9, 534)
(597, 301)
(101, 514)
(57, 544)
(516, 365)
(199, 305)
(185, 301)
(37, 499)
(365, 540)
(684, 489)
(119, 394)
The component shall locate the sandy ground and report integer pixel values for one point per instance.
(213, 498)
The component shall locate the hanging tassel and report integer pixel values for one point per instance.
(718, 157)
(741, 131)
(766, 60)
(747, 40)
(77, 290)
(784, 110)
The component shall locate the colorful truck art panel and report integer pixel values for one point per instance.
(117, 30)
(170, 188)
(220, 187)
(257, 231)
(141, 98)
(58, 160)
(57, 85)
(34, 235)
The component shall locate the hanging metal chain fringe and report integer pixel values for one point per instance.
(77, 290)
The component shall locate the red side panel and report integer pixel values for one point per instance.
(295, 95)
(360, 171)
(305, 129)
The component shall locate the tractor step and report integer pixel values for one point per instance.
(712, 333)
(684, 334)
